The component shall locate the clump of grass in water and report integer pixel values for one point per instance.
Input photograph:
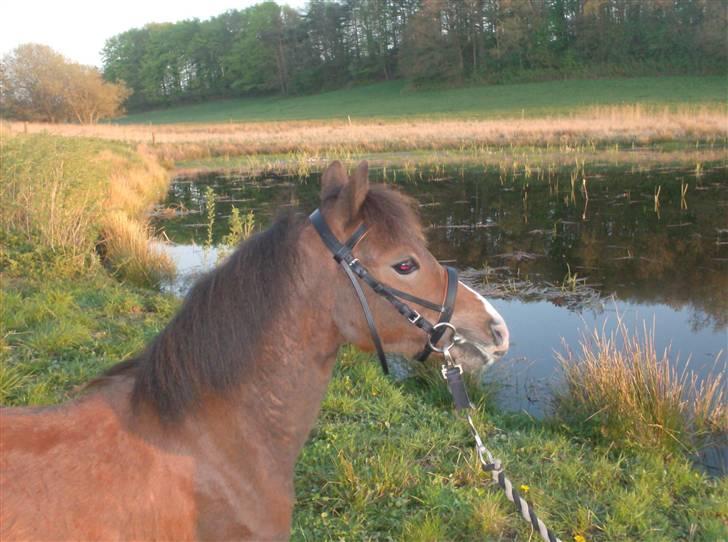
(636, 397)
(571, 280)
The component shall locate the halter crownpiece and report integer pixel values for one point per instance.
(344, 256)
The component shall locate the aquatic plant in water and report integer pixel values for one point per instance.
(635, 396)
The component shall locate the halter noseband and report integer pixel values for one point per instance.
(353, 269)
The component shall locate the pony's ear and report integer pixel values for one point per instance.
(351, 191)
(352, 196)
(333, 177)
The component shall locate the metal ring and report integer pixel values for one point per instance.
(452, 340)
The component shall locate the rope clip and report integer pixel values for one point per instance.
(453, 375)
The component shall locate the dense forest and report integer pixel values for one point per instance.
(274, 49)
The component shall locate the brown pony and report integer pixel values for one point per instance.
(197, 437)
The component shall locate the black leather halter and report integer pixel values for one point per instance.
(353, 269)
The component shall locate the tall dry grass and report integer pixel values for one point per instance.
(638, 124)
(126, 235)
(636, 395)
(74, 195)
(129, 251)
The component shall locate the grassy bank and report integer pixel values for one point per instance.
(74, 210)
(395, 99)
(62, 323)
(77, 196)
(386, 460)
(392, 461)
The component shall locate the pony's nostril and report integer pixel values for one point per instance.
(500, 335)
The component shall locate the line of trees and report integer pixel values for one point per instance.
(274, 49)
(39, 84)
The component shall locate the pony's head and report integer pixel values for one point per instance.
(394, 252)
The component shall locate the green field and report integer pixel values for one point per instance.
(396, 99)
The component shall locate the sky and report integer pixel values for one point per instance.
(78, 28)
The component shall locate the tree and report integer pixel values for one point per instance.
(430, 49)
(90, 98)
(42, 85)
(256, 62)
(123, 56)
(33, 83)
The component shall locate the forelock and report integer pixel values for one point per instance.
(391, 215)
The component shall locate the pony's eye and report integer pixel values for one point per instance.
(406, 267)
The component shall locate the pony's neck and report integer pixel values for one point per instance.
(288, 382)
(280, 394)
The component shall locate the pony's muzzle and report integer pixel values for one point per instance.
(501, 337)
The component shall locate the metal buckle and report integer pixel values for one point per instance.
(445, 367)
(416, 317)
(353, 262)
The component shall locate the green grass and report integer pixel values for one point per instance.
(386, 460)
(60, 325)
(392, 461)
(396, 99)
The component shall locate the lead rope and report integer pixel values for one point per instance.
(493, 466)
(452, 373)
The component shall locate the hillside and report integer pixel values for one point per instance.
(397, 99)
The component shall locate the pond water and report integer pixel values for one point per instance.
(555, 261)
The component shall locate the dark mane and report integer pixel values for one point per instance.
(207, 344)
(217, 329)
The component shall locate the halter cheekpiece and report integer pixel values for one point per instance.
(355, 270)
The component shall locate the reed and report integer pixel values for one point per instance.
(634, 395)
(571, 281)
(210, 212)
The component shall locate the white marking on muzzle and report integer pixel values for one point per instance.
(490, 309)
